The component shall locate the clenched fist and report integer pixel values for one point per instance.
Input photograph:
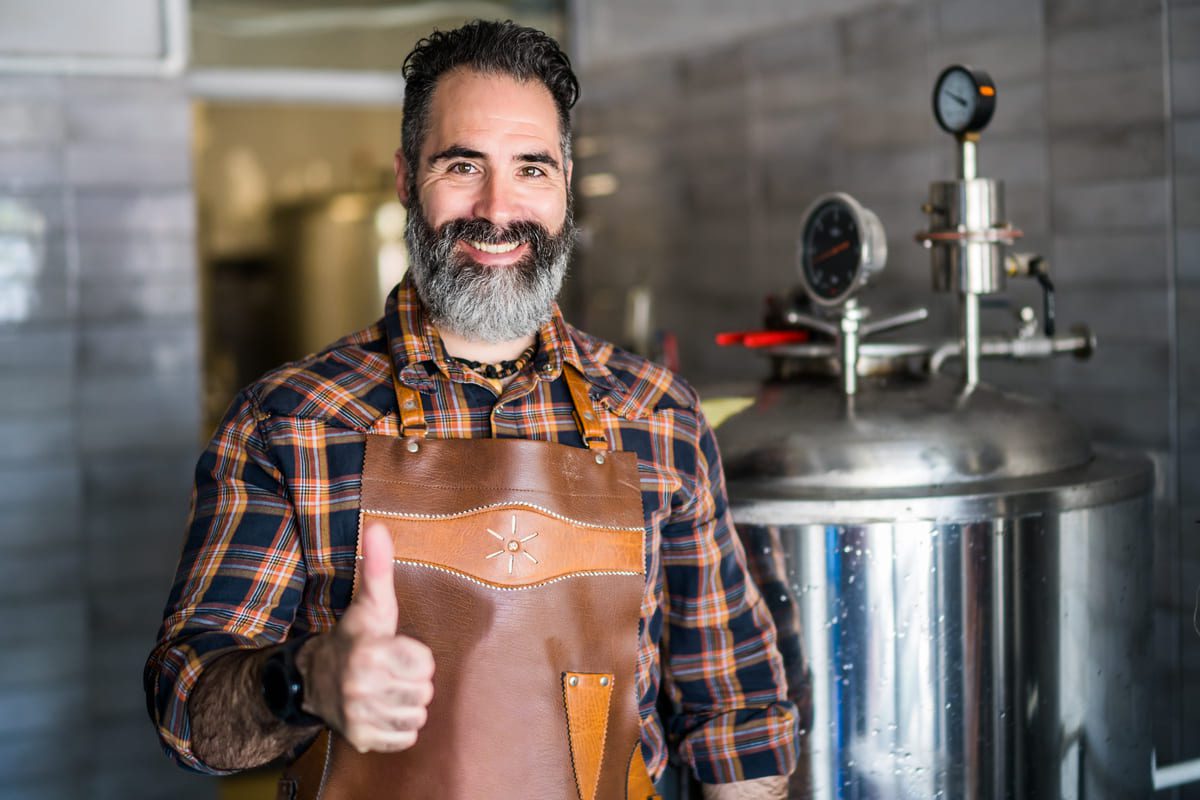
(369, 683)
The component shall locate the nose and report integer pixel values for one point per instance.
(497, 200)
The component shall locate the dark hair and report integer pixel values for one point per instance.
(488, 47)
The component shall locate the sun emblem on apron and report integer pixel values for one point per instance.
(512, 546)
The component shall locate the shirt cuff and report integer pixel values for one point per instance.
(744, 744)
(171, 675)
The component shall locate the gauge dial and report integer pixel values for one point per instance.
(842, 245)
(963, 99)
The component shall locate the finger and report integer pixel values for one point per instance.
(382, 741)
(376, 612)
(408, 694)
(382, 718)
(409, 659)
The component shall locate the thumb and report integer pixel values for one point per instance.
(375, 609)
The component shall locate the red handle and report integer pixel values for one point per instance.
(757, 339)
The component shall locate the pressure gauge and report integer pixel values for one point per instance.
(963, 99)
(843, 244)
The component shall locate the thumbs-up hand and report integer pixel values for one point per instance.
(369, 683)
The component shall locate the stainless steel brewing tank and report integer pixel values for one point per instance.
(962, 588)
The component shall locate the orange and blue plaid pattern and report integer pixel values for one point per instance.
(271, 542)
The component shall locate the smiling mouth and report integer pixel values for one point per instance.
(497, 249)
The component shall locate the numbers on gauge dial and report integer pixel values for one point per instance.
(832, 250)
(956, 99)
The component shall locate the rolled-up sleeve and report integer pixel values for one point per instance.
(727, 678)
(240, 574)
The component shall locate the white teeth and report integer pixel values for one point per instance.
(507, 247)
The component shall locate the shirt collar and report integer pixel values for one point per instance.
(417, 351)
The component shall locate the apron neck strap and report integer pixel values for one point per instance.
(408, 402)
(412, 415)
(585, 416)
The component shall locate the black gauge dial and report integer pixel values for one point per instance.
(842, 245)
(964, 99)
(832, 250)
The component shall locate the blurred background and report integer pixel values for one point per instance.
(194, 191)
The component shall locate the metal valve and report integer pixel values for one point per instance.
(851, 331)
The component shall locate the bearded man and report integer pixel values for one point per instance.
(457, 554)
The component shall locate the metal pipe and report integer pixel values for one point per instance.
(898, 321)
(971, 340)
(1179, 774)
(967, 164)
(1081, 344)
(852, 316)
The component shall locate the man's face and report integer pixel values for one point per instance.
(489, 229)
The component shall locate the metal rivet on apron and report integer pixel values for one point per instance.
(599, 458)
(413, 446)
(588, 415)
(409, 404)
(604, 681)
(573, 681)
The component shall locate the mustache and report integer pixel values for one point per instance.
(482, 230)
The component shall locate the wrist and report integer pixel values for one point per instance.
(284, 686)
(316, 662)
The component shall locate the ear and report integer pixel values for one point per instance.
(401, 167)
(570, 166)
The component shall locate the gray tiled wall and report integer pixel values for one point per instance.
(719, 142)
(99, 420)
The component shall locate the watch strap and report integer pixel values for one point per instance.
(283, 685)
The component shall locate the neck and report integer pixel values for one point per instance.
(484, 352)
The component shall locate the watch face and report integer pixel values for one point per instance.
(277, 691)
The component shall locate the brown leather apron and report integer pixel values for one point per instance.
(521, 564)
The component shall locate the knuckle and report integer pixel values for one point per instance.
(419, 718)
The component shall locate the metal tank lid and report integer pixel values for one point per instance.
(807, 435)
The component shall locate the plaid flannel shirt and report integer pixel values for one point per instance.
(270, 549)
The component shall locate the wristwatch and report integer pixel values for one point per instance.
(283, 685)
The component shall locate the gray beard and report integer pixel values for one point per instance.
(486, 304)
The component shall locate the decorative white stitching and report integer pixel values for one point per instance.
(531, 506)
(592, 573)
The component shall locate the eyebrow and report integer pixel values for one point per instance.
(539, 158)
(455, 151)
(462, 151)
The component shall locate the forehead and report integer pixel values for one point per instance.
(474, 109)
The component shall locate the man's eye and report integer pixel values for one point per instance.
(532, 172)
(462, 168)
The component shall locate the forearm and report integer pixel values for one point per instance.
(232, 728)
(772, 788)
